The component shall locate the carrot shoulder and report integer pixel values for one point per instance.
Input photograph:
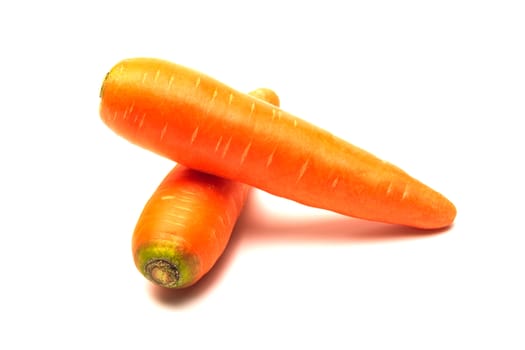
(187, 223)
(204, 124)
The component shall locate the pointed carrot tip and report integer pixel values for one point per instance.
(450, 214)
(442, 218)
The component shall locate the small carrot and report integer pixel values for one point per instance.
(187, 223)
(204, 124)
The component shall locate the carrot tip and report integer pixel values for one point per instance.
(167, 264)
(163, 273)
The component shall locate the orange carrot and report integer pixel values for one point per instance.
(187, 223)
(204, 124)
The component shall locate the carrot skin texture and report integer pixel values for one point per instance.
(186, 224)
(204, 124)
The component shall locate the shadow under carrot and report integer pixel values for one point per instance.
(257, 226)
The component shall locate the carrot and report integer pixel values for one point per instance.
(204, 124)
(187, 223)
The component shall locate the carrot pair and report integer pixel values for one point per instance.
(206, 125)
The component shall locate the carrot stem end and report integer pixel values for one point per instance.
(163, 273)
(167, 264)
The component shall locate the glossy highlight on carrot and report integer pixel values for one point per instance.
(195, 120)
(187, 223)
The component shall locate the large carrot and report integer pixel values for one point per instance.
(187, 223)
(204, 124)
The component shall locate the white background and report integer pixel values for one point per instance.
(436, 87)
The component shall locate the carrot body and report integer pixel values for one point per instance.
(204, 124)
(187, 223)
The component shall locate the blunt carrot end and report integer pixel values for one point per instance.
(165, 265)
(162, 272)
(101, 91)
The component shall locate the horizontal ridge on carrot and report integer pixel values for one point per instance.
(187, 223)
(197, 121)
